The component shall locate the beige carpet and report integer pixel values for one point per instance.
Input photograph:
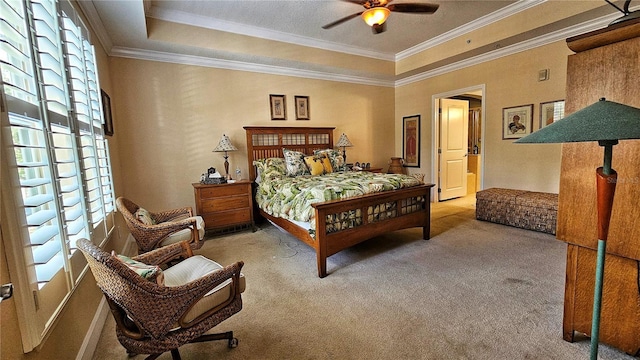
(476, 290)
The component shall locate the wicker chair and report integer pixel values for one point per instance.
(152, 319)
(166, 227)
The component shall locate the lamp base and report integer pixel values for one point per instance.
(226, 166)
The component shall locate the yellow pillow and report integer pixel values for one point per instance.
(314, 164)
(326, 164)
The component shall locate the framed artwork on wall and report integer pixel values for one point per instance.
(411, 140)
(551, 112)
(278, 105)
(302, 107)
(106, 110)
(517, 121)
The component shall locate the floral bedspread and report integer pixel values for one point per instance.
(291, 197)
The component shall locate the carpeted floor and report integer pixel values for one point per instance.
(476, 290)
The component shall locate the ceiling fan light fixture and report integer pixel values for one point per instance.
(375, 15)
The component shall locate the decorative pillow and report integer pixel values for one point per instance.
(294, 161)
(149, 272)
(270, 169)
(335, 156)
(326, 164)
(144, 216)
(315, 164)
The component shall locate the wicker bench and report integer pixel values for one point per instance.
(520, 208)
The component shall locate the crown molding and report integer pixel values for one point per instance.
(176, 58)
(513, 49)
(488, 19)
(181, 17)
(89, 11)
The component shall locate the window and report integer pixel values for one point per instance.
(57, 158)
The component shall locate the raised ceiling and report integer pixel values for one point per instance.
(130, 28)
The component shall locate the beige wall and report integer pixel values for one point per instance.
(510, 81)
(197, 37)
(169, 117)
(535, 17)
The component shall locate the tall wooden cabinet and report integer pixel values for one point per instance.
(606, 64)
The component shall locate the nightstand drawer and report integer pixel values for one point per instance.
(219, 191)
(228, 203)
(226, 218)
(224, 207)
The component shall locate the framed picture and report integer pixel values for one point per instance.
(278, 104)
(411, 140)
(517, 121)
(106, 110)
(302, 107)
(551, 112)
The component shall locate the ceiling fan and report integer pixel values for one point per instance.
(377, 11)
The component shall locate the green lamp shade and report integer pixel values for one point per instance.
(603, 120)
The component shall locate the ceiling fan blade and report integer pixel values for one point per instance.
(338, 22)
(413, 8)
(359, 2)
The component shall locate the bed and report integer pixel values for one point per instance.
(404, 208)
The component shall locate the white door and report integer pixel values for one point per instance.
(454, 129)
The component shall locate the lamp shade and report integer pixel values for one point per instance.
(344, 141)
(375, 15)
(601, 121)
(225, 145)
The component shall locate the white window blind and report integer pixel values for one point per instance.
(60, 163)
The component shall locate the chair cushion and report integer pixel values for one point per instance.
(192, 269)
(144, 216)
(185, 234)
(149, 272)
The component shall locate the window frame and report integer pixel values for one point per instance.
(84, 148)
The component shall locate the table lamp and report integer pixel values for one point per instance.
(344, 142)
(225, 146)
(605, 122)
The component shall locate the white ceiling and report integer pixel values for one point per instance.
(305, 18)
(297, 21)
(121, 28)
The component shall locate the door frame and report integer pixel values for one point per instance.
(435, 133)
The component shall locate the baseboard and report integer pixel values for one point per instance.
(90, 342)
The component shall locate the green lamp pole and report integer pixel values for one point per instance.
(605, 122)
(606, 179)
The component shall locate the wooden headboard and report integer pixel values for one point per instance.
(267, 141)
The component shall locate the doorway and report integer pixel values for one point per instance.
(458, 170)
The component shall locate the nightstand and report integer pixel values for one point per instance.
(225, 207)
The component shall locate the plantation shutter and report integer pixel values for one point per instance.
(58, 158)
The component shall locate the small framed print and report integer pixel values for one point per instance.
(106, 110)
(551, 112)
(411, 140)
(517, 121)
(278, 105)
(302, 107)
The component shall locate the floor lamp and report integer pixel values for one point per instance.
(605, 122)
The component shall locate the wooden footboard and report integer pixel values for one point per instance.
(341, 224)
